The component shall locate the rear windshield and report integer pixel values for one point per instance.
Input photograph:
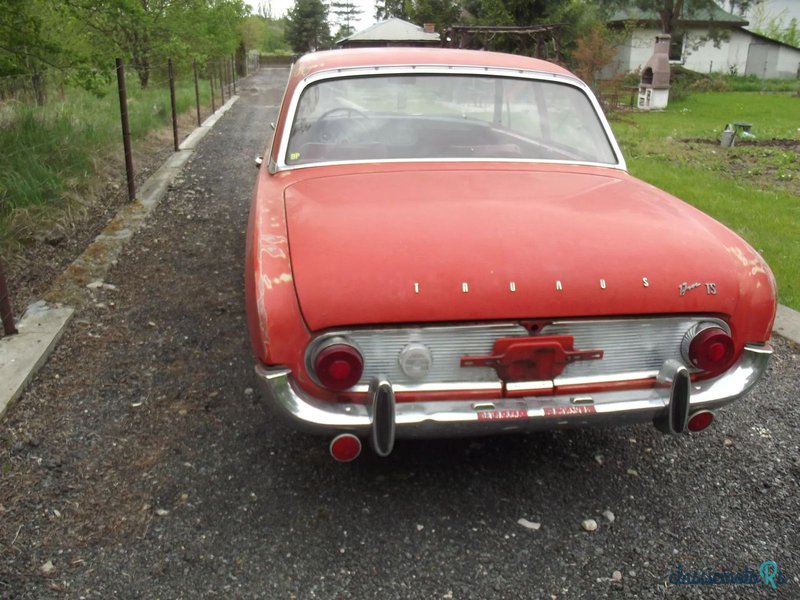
(391, 117)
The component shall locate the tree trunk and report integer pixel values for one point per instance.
(38, 87)
(670, 14)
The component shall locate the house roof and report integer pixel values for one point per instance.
(764, 38)
(392, 30)
(691, 12)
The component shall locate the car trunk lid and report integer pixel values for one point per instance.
(481, 244)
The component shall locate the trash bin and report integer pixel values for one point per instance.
(728, 137)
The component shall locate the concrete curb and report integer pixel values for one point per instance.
(787, 324)
(22, 355)
(45, 321)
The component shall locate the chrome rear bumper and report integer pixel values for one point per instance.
(455, 418)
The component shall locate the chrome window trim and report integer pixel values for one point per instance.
(348, 72)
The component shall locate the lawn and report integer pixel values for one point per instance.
(754, 187)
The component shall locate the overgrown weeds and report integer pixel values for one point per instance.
(56, 157)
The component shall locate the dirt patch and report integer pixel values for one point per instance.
(773, 143)
(763, 164)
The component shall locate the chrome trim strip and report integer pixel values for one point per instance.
(560, 381)
(760, 348)
(459, 417)
(466, 386)
(270, 373)
(528, 386)
(281, 165)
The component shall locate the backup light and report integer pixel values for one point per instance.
(415, 361)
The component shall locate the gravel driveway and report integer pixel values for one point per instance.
(141, 463)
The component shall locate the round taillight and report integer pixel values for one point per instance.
(711, 349)
(338, 366)
(700, 420)
(345, 447)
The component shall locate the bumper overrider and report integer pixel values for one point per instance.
(668, 404)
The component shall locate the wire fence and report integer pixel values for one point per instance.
(221, 77)
(214, 80)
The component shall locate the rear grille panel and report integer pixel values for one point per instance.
(632, 349)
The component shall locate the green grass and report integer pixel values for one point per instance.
(50, 153)
(754, 190)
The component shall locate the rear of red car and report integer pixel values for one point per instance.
(492, 277)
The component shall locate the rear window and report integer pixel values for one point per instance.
(431, 116)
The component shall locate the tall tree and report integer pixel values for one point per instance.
(442, 13)
(38, 36)
(671, 11)
(345, 13)
(386, 9)
(738, 6)
(146, 32)
(307, 27)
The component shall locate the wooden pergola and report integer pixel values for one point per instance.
(539, 41)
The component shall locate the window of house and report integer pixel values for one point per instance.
(676, 47)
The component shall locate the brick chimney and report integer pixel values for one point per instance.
(431, 28)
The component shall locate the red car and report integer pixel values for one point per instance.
(447, 243)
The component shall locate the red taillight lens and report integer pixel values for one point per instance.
(700, 420)
(711, 349)
(345, 447)
(338, 366)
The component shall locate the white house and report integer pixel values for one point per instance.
(740, 51)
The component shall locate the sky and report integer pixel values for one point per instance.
(279, 8)
(786, 9)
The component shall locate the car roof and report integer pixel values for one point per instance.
(315, 62)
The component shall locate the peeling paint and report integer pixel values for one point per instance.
(275, 252)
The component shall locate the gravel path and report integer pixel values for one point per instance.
(141, 463)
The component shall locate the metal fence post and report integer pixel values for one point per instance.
(126, 131)
(5, 304)
(196, 90)
(172, 103)
(211, 85)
